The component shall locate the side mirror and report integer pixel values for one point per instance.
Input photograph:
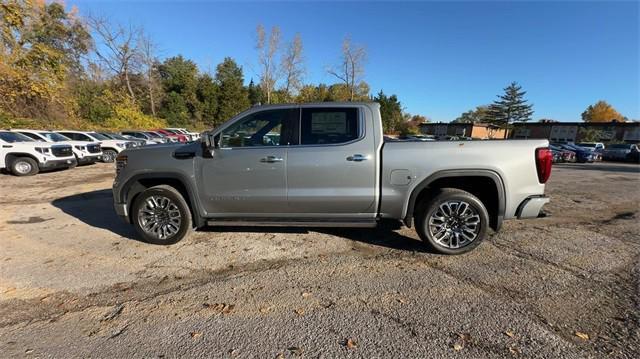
(209, 143)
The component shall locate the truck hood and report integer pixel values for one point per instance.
(161, 149)
(75, 143)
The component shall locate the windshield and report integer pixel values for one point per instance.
(12, 137)
(116, 136)
(98, 136)
(55, 137)
(587, 145)
(155, 134)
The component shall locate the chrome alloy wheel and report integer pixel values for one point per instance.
(160, 217)
(23, 167)
(454, 224)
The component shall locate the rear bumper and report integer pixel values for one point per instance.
(55, 164)
(531, 207)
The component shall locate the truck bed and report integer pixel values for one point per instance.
(407, 164)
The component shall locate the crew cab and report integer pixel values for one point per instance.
(86, 153)
(23, 156)
(110, 147)
(328, 165)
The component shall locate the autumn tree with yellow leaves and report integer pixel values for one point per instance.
(40, 51)
(601, 111)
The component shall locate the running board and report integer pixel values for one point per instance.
(271, 222)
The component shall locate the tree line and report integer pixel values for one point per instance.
(58, 69)
(511, 106)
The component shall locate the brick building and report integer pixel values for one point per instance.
(576, 131)
(553, 131)
(475, 130)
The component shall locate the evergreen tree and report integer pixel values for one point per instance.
(254, 93)
(207, 94)
(511, 107)
(390, 111)
(232, 96)
(180, 81)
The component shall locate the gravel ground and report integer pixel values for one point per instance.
(74, 281)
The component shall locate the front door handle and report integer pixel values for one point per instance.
(271, 159)
(357, 158)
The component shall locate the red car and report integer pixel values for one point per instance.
(173, 136)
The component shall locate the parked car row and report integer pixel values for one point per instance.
(595, 151)
(25, 152)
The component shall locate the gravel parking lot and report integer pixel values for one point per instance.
(74, 281)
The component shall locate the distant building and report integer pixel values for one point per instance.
(475, 130)
(552, 130)
(575, 131)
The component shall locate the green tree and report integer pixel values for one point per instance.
(174, 109)
(93, 101)
(313, 93)
(232, 96)
(254, 93)
(510, 107)
(480, 114)
(207, 93)
(601, 111)
(390, 111)
(180, 81)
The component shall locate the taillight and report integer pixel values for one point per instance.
(544, 159)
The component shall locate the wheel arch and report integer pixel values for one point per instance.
(487, 185)
(137, 184)
(10, 157)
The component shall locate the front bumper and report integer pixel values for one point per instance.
(89, 159)
(531, 207)
(121, 211)
(55, 164)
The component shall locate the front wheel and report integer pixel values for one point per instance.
(452, 222)
(109, 156)
(160, 215)
(24, 166)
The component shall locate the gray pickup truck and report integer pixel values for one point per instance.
(328, 165)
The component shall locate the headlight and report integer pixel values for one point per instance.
(81, 148)
(121, 145)
(44, 150)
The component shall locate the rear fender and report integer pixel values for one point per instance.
(410, 204)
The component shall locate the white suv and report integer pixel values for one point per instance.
(85, 153)
(23, 156)
(110, 148)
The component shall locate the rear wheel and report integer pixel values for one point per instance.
(24, 166)
(452, 222)
(160, 215)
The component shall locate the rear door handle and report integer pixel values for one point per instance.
(357, 158)
(271, 159)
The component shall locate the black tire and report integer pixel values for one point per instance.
(430, 208)
(109, 156)
(186, 223)
(24, 166)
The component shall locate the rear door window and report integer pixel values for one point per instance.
(322, 126)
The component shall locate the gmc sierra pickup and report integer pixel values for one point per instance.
(328, 165)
